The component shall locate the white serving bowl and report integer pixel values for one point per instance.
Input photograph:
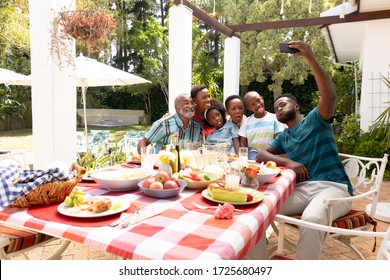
(121, 180)
(163, 193)
(267, 174)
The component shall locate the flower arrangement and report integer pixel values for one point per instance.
(249, 179)
(185, 157)
(166, 157)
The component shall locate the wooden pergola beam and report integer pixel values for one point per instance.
(200, 14)
(322, 21)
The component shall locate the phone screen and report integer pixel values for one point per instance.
(284, 48)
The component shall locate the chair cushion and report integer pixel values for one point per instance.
(21, 239)
(354, 219)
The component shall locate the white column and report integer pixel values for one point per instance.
(180, 52)
(376, 60)
(231, 76)
(53, 90)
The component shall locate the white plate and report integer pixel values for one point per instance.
(64, 209)
(257, 197)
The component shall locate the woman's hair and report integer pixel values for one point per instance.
(196, 89)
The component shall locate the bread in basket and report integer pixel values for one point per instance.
(53, 192)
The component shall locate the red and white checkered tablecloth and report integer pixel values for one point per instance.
(176, 233)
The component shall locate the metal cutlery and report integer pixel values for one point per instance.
(197, 205)
(129, 219)
(124, 217)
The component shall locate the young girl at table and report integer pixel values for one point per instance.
(224, 132)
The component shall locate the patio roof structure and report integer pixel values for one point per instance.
(354, 32)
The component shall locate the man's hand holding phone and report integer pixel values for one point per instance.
(284, 48)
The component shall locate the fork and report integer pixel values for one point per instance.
(197, 205)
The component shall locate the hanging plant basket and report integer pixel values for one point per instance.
(87, 26)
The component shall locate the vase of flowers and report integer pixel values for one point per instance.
(249, 180)
(166, 159)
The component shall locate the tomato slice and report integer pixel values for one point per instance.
(195, 177)
(249, 197)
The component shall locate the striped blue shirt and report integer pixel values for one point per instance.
(162, 130)
(312, 143)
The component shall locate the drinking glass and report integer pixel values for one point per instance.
(147, 159)
(243, 155)
(232, 181)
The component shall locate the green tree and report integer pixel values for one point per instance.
(260, 55)
(14, 28)
(142, 46)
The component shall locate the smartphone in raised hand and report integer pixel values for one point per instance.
(284, 48)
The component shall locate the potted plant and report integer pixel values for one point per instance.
(92, 26)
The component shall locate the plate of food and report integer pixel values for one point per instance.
(135, 159)
(232, 157)
(95, 206)
(235, 196)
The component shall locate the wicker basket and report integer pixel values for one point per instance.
(53, 192)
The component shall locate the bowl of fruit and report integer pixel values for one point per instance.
(161, 185)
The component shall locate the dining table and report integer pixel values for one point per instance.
(165, 228)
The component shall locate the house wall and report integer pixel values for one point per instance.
(375, 63)
(96, 117)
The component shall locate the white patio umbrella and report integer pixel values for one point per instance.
(89, 73)
(13, 78)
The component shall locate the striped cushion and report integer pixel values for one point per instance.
(21, 239)
(354, 219)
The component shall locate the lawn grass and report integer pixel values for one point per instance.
(21, 139)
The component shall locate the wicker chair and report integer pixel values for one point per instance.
(366, 175)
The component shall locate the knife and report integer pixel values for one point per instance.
(124, 217)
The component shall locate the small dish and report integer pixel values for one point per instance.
(163, 193)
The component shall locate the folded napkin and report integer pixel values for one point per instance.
(16, 183)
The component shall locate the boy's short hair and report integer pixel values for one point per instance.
(231, 97)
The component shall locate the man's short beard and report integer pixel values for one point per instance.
(187, 114)
(287, 116)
